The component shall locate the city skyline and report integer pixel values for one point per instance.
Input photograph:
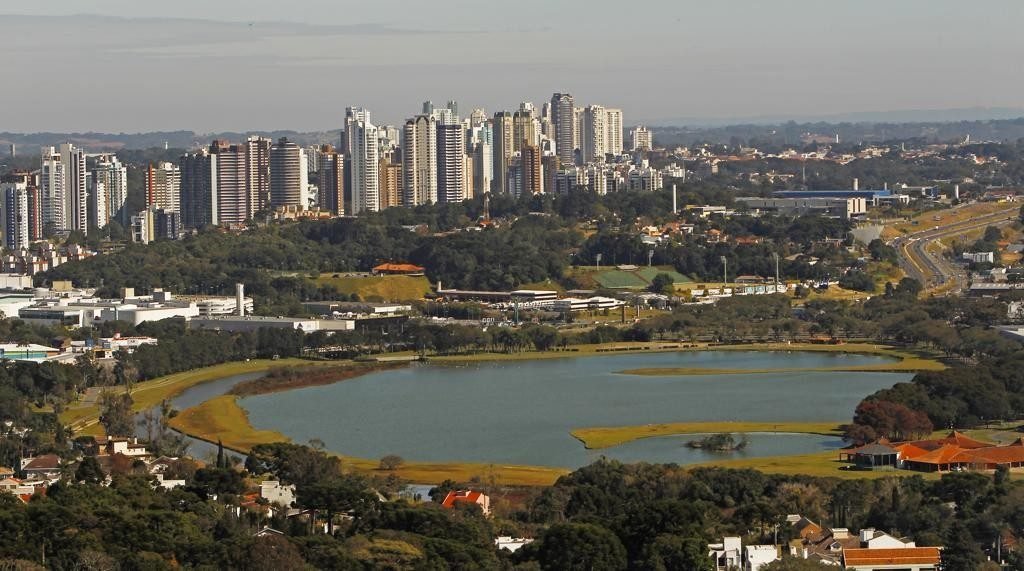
(206, 68)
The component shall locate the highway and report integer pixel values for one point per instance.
(933, 269)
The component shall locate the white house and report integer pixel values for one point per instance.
(276, 493)
(727, 555)
(512, 544)
(757, 556)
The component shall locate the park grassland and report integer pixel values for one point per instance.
(147, 394)
(222, 419)
(378, 288)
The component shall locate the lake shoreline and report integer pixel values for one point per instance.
(243, 434)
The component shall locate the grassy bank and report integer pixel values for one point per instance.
(912, 365)
(906, 360)
(290, 378)
(84, 419)
(821, 464)
(223, 419)
(606, 437)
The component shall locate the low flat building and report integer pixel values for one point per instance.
(27, 352)
(845, 208)
(238, 324)
(355, 307)
(571, 304)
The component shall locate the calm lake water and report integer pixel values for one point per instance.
(522, 412)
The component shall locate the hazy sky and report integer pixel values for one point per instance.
(211, 65)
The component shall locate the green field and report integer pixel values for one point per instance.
(613, 278)
(649, 273)
(378, 288)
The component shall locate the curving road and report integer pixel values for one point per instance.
(935, 270)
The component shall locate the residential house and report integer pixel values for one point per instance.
(45, 466)
(277, 493)
(902, 559)
(727, 554)
(757, 556)
(511, 544)
(467, 496)
(124, 446)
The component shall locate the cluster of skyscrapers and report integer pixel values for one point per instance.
(436, 156)
(71, 191)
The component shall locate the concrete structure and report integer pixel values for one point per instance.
(503, 148)
(726, 555)
(532, 170)
(845, 208)
(511, 544)
(642, 140)
(277, 493)
(563, 115)
(757, 556)
(331, 192)
(163, 186)
(419, 161)
(289, 174)
(14, 214)
(364, 160)
(978, 257)
(198, 196)
(873, 197)
(27, 352)
(613, 131)
(236, 324)
(451, 163)
(108, 191)
(572, 304)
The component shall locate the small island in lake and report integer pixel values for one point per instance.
(724, 442)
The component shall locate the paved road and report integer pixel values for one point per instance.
(933, 269)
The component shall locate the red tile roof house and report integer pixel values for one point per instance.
(905, 559)
(467, 496)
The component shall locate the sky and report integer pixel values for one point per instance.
(209, 66)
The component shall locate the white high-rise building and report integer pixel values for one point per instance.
(14, 201)
(419, 161)
(76, 193)
(563, 115)
(365, 159)
(163, 187)
(289, 174)
(613, 131)
(52, 187)
(108, 191)
(642, 140)
(451, 163)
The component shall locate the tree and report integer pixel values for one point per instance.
(797, 564)
(89, 471)
(580, 547)
(663, 284)
(961, 552)
(344, 494)
(272, 553)
(391, 462)
(669, 552)
(116, 414)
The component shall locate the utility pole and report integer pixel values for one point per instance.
(650, 256)
(725, 273)
(598, 256)
(776, 256)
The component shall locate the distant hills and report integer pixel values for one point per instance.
(981, 124)
(97, 142)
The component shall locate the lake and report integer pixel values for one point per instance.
(521, 412)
